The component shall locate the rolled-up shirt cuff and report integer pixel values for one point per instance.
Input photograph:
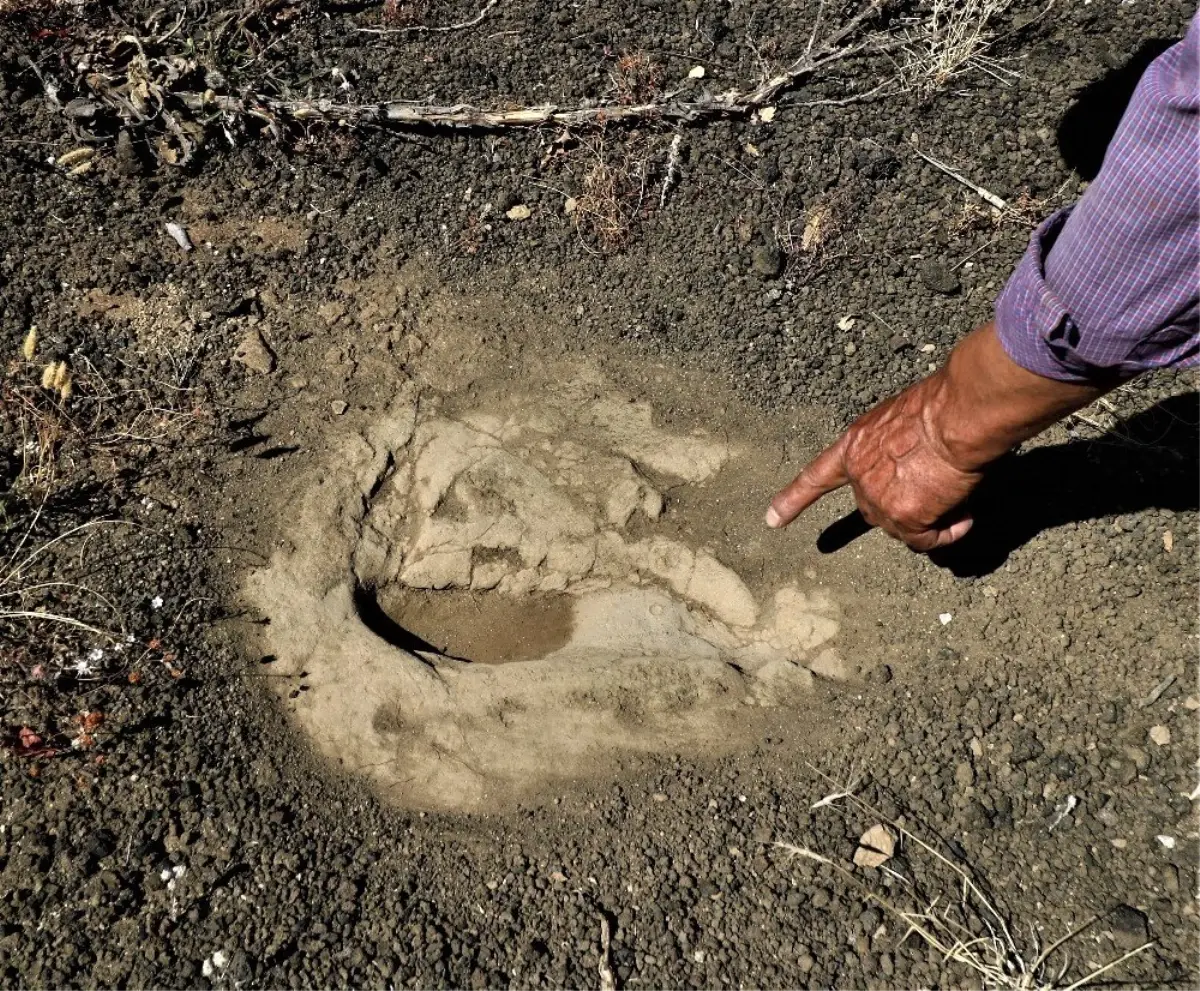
(1034, 327)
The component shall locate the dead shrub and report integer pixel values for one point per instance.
(612, 189)
(636, 79)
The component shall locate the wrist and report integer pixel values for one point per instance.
(983, 404)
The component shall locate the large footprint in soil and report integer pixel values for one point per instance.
(482, 605)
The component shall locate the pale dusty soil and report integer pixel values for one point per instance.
(278, 785)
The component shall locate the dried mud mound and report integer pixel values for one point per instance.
(520, 522)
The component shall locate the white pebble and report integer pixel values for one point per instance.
(180, 235)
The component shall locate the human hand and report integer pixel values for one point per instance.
(913, 460)
(904, 479)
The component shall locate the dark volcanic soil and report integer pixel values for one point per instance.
(163, 822)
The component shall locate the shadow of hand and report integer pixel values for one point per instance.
(1151, 460)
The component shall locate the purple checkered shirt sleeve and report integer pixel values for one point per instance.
(1111, 286)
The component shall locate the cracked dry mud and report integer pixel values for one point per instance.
(531, 518)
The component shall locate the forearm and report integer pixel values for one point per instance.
(983, 403)
(1108, 288)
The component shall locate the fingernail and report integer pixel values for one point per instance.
(774, 520)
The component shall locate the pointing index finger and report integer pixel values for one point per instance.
(822, 475)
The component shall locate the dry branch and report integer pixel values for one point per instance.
(152, 92)
(667, 108)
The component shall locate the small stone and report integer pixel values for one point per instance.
(1160, 735)
(1063, 767)
(658, 796)
(1119, 844)
(1168, 842)
(939, 279)
(518, 212)
(944, 618)
(1140, 758)
(964, 775)
(128, 163)
(850, 349)
(976, 746)
(928, 348)
(1026, 748)
(1130, 927)
(339, 407)
(875, 848)
(767, 261)
(179, 235)
(1191, 703)
(570, 206)
(254, 353)
(331, 312)
(846, 323)
(1171, 881)
(806, 963)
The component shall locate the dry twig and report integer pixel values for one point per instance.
(671, 176)
(608, 981)
(436, 28)
(986, 195)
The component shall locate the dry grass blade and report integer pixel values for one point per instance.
(21, 566)
(995, 957)
(56, 618)
(1084, 982)
(951, 39)
(16, 565)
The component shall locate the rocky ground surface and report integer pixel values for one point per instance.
(163, 823)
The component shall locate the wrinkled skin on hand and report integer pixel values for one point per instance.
(913, 460)
(904, 479)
